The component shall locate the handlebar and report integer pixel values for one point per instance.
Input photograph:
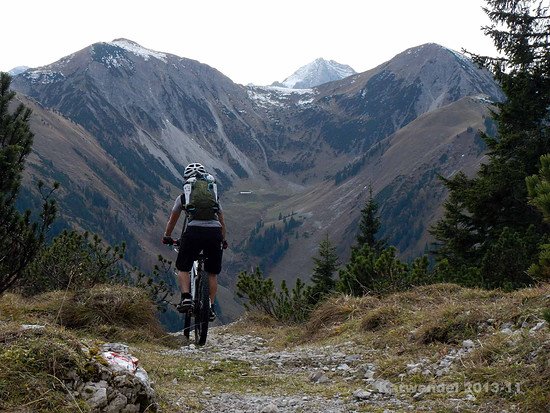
(171, 241)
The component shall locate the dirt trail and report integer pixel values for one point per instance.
(244, 373)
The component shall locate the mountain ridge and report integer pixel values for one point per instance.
(151, 113)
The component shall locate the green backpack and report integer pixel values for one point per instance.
(202, 204)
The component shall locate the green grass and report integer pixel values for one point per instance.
(34, 365)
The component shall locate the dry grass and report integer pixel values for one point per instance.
(109, 312)
(112, 305)
(379, 318)
(450, 324)
(335, 311)
(427, 323)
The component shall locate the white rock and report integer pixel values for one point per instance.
(32, 327)
(468, 344)
(99, 399)
(507, 326)
(131, 408)
(418, 396)
(539, 326)
(270, 408)
(118, 403)
(382, 386)
(361, 394)
(116, 347)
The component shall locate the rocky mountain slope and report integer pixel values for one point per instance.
(115, 123)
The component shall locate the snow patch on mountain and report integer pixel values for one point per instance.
(316, 73)
(138, 50)
(43, 76)
(18, 70)
(269, 96)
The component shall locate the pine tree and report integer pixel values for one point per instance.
(539, 196)
(326, 264)
(538, 187)
(358, 275)
(491, 210)
(20, 237)
(370, 225)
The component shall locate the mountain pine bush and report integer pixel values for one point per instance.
(20, 236)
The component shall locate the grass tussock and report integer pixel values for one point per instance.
(451, 324)
(34, 363)
(113, 305)
(108, 312)
(337, 310)
(379, 318)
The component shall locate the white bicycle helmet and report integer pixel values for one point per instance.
(192, 169)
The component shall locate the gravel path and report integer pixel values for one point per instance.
(323, 379)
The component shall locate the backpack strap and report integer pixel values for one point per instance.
(215, 190)
(186, 196)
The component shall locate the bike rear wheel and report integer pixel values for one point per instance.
(187, 324)
(202, 309)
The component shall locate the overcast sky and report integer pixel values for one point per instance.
(251, 41)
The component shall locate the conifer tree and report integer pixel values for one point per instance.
(370, 225)
(486, 215)
(358, 276)
(20, 237)
(539, 196)
(539, 187)
(326, 264)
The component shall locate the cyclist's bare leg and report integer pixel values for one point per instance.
(184, 281)
(213, 284)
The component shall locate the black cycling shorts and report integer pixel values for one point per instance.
(197, 239)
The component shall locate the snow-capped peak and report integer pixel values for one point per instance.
(17, 70)
(316, 73)
(137, 49)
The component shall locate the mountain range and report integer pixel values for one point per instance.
(116, 123)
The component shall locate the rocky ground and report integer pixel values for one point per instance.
(439, 348)
(245, 373)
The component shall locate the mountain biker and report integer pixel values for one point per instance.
(206, 235)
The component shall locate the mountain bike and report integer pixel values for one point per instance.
(198, 316)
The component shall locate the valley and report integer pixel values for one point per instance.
(115, 124)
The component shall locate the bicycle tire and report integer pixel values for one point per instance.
(202, 309)
(187, 324)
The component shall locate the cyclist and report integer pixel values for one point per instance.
(207, 235)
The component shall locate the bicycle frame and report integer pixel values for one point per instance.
(200, 294)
